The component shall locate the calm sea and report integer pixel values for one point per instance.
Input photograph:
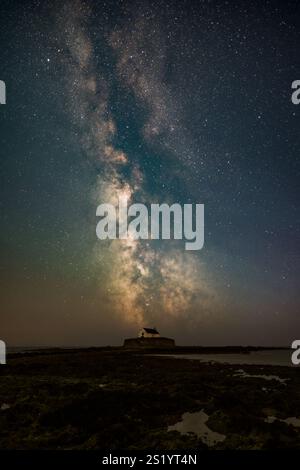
(275, 357)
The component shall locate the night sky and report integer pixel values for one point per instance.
(186, 102)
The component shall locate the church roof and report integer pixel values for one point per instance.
(152, 331)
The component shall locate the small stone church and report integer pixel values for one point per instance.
(149, 338)
(148, 333)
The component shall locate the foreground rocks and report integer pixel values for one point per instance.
(118, 399)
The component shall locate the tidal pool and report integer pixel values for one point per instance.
(196, 423)
(293, 421)
(242, 373)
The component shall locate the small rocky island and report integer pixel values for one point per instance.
(149, 338)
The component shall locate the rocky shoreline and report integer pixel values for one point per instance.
(111, 398)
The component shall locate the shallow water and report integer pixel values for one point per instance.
(4, 407)
(242, 373)
(293, 421)
(196, 423)
(275, 357)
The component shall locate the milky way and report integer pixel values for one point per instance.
(144, 283)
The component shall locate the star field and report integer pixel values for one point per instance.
(183, 102)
